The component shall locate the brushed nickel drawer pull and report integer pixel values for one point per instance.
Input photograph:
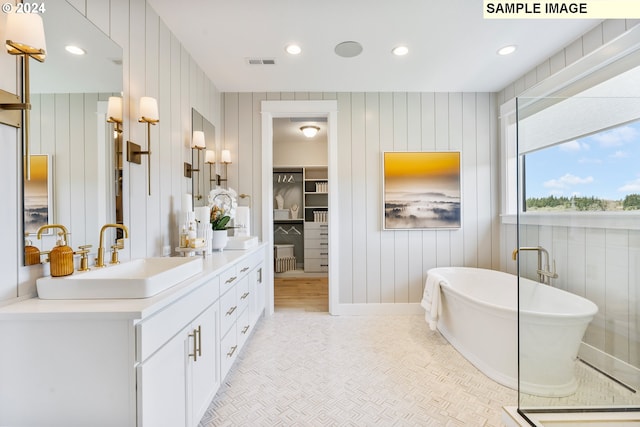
(195, 345)
(231, 310)
(199, 330)
(244, 269)
(231, 279)
(245, 329)
(233, 350)
(246, 294)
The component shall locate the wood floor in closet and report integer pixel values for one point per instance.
(301, 293)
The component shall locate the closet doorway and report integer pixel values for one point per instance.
(298, 204)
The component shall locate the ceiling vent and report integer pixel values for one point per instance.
(261, 61)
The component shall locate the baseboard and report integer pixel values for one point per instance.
(618, 369)
(381, 309)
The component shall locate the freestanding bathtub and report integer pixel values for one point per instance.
(479, 317)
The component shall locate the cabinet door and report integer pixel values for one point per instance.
(204, 366)
(162, 385)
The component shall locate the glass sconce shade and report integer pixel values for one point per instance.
(114, 109)
(148, 109)
(210, 156)
(25, 35)
(198, 140)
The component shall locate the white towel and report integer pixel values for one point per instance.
(431, 300)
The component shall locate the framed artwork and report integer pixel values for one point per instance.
(38, 204)
(421, 190)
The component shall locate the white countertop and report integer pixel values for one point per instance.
(39, 309)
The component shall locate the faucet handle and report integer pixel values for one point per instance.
(84, 257)
(114, 254)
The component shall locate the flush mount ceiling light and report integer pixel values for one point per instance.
(74, 50)
(293, 49)
(348, 49)
(507, 50)
(400, 50)
(310, 131)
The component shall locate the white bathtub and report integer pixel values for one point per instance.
(479, 318)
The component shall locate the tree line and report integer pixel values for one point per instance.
(630, 202)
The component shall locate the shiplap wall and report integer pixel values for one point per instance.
(598, 263)
(154, 64)
(388, 266)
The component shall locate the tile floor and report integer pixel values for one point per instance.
(312, 369)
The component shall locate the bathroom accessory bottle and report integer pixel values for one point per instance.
(61, 258)
(31, 254)
(191, 236)
(184, 237)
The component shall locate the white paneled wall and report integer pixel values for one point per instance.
(388, 266)
(598, 263)
(154, 64)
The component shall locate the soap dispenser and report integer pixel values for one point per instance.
(31, 253)
(61, 258)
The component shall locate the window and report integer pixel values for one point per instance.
(598, 172)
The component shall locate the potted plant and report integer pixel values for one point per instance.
(223, 208)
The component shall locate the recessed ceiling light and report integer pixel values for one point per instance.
(74, 50)
(400, 50)
(507, 50)
(293, 49)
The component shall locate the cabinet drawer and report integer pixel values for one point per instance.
(245, 265)
(228, 310)
(316, 233)
(316, 244)
(242, 293)
(316, 265)
(228, 278)
(228, 352)
(316, 253)
(243, 328)
(153, 332)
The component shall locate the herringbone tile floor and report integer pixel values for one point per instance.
(313, 369)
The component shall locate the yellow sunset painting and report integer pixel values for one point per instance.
(421, 190)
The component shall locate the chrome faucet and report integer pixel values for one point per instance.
(100, 259)
(544, 276)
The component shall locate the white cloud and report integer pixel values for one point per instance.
(619, 155)
(567, 180)
(631, 187)
(573, 146)
(589, 160)
(616, 137)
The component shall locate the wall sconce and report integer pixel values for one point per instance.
(225, 159)
(24, 37)
(114, 115)
(309, 131)
(210, 159)
(148, 115)
(197, 143)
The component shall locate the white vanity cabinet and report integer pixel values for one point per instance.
(133, 363)
(178, 378)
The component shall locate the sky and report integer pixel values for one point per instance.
(605, 165)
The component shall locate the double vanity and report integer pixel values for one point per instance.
(147, 352)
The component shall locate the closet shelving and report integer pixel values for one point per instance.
(308, 188)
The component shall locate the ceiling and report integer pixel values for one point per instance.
(452, 47)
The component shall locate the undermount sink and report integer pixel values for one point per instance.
(242, 242)
(139, 278)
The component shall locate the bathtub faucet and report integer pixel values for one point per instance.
(544, 276)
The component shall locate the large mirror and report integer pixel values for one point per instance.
(82, 186)
(203, 176)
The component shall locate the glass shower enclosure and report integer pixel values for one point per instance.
(577, 161)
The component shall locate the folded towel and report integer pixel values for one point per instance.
(431, 300)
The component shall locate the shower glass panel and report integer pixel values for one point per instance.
(577, 161)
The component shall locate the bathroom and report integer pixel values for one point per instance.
(376, 272)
